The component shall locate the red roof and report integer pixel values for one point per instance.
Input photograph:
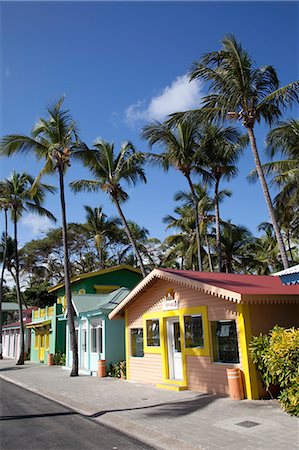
(242, 284)
(27, 317)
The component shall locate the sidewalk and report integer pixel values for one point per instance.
(164, 419)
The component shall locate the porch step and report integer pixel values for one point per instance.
(171, 387)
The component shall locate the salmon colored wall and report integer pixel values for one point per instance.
(284, 315)
(202, 373)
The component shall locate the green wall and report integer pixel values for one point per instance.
(122, 278)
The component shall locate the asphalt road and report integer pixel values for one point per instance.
(31, 422)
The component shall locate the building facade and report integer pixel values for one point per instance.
(184, 329)
(47, 333)
(98, 337)
(11, 336)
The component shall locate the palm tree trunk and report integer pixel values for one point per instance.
(217, 220)
(266, 192)
(209, 253)
(2, 277)
(290, 245)
(197, 222)
(67, 283)
(21, 359)
(132, 242)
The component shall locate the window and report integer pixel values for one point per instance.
(153, 333)
(137, 342)
(225, 341)
(193, 331)
(96, 339)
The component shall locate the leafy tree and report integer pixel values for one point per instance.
(243, 92)
(54, 140)
(109, 170)
(37, 295)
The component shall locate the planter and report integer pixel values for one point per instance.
(50, 359)
(101, 368)
(235, 384)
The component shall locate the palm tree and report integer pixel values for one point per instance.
(205, 207)
(109, 170)
(54, 140)
(22, 198)
(183, 244)
(219, 151)
(4, 206)
(179, 144)
(243, 92)
(285, 139)
(234, 239)
(101, 227)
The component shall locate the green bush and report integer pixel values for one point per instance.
(276, 356)
(117, 370)
(59, 359)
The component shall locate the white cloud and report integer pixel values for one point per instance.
(181, 95)
(36, 224)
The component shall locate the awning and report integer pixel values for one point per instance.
(38, 324)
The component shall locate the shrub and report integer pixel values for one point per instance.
(117, 370)
(59, 359)
(276, 356)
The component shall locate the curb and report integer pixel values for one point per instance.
(147, 435)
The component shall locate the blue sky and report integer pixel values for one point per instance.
(121, 64)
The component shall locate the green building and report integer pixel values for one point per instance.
(47, 333)
(100, 282)
(48, 326)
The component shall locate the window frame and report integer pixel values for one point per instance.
(237, 342)
(203, 334)
(131, 354)
(156, 319)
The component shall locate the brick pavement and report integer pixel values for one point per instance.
(164, 419)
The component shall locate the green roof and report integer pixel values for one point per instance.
(91, 303)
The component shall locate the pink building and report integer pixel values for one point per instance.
(184, 328)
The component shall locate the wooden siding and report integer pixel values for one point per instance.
(202, 374)
(147, 369)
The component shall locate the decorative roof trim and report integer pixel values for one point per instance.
(289, 271)
(224, 294)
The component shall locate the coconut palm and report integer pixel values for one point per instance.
(244, 92)
(109, 171)
(219, 150)
(3, 206)
(284, 139)
(205, 207)
(102, 228)
(183, 244)
(21, 199)
(179, 144)
(234, 239)
(54, 140)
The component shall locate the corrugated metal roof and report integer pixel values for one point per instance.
(89, 303)
(242, 284)
(227, 286)
(289, 271)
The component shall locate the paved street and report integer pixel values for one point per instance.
(165, 420)
(31, 422)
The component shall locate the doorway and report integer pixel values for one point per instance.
(174, 349)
